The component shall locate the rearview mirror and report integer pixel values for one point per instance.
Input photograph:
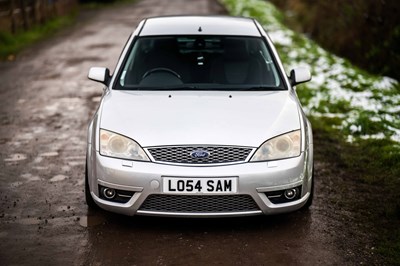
(99, 74)
(299, 75)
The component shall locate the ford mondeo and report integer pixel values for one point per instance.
(199, 119)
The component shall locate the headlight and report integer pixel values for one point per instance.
(115, 145)
(283, 146)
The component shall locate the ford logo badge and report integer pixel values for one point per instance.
(199, 154)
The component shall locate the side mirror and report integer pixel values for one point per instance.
(299, 75)
(99, 74)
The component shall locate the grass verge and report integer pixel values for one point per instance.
(12, 44)
(372, 163)
(356, 111)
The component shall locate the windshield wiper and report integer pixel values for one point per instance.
(208, 88)
(178, 88)
(159, 88)
(260, 88)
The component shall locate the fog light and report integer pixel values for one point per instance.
(109, 193)
(290, 193)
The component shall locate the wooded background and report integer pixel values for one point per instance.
(365, 31)
(17, 15)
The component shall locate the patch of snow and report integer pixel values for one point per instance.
(334, 81)
(280, 37)
(355, 128)
(384, 83)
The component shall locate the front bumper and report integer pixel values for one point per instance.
(255, 181)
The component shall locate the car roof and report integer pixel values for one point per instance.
(199, 25)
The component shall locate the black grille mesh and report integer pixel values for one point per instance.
(199, 204)
(217, 154)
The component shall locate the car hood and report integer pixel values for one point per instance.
(157, 118)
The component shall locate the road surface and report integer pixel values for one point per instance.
(46, 103)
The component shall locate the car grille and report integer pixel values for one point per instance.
(199, 204)
(216, 154)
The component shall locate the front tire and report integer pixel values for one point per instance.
(311, 197)
(88, 197)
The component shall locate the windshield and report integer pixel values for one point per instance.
(199, 62)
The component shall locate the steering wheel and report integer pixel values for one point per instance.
(161, 69)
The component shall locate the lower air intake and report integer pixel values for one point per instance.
(199, 204)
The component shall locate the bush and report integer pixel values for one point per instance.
(366, 32)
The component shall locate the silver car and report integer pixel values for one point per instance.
(199, 119)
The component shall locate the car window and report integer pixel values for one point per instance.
(199, 62)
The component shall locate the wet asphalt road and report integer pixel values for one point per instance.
(46, 103)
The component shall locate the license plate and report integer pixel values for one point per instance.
(199, 185)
